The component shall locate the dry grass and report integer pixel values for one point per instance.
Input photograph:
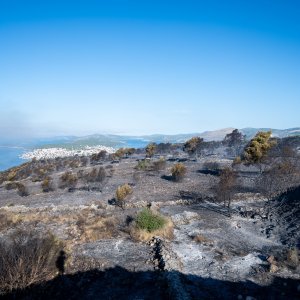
(144, 235)
(86, 225)
(8, 220)
(97, 228)
(27, 258)
(201, 239)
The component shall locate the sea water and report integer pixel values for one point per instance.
(10, 156)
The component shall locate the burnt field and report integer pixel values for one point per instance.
(192, 221)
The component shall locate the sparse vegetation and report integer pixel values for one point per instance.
(122, 192)
(150, 221)
(22, 190)
(143, 165)
(178, 171)
(11, 186)
(7, 220)
(201, 239)
(68, 179)
(159, 165)
(257, 149)
(90, 215)
(27, 258)
(47, 185)
(192, 146)
(99, 156)
(226, 186)
(150, 150)
(96, 175)
(97, 227)
(148, 224)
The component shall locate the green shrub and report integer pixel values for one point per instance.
(178, 171)
(143, 165)
(150, 221)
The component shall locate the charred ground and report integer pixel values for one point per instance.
(247, 247)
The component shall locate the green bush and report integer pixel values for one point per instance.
(143, 165)
(150, 221)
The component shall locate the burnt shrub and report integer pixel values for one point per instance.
(96, 175)
(6, 220)
(47, 185)
(101, 174)
(22, 190)
(136, 176)
(211, 168)
(178, 172)
(84, 161)
(11, 186)
(121, 193)
(99, 156)
(159, 165)
(68, 179)
(27, 258)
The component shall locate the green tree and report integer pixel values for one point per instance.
(257, 149)
(233, 139)
(192, 145)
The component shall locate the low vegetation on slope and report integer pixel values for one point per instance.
(149, 223)
(202, 177)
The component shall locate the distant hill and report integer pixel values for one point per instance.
(116, 141)
(280, 133)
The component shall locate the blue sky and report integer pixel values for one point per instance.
(142, 67)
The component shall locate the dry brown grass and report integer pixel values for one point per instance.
(8, 220)
(97, 228)
(166, 232)
(201, 239)
(86, 225)
(27, 258)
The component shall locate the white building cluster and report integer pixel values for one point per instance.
(48, 153)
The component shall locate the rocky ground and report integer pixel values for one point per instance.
(213, 254)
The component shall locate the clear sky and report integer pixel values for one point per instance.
(142, 67)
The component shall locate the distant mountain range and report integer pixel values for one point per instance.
(111, 140)
(11, 150)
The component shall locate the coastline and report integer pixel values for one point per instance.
(50, 153)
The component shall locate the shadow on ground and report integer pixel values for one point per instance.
(119, 283)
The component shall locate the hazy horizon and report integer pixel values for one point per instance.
(140, 68)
